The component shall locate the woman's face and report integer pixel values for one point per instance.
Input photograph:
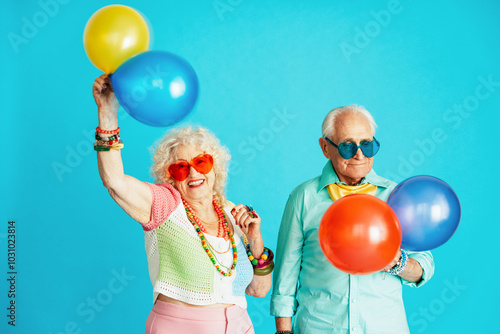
(196, 186)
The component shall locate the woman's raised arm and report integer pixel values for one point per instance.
(131, 194)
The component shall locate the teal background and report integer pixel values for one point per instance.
(269, 72)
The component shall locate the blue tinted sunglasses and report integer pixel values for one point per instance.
(348, 150)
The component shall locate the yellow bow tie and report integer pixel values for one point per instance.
(337, 190)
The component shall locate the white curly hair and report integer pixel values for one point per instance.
(165, 153)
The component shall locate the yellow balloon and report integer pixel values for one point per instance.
(113, 34)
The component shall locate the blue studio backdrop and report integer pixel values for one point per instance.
(268, 72)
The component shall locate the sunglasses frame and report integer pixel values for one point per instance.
(357, 147)
(191, 164)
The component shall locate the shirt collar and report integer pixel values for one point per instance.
(329, 176)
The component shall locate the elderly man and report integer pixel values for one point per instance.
(323, 298)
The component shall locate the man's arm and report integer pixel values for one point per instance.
(413, 271)
(419, 268)
(423, 268)
(283, 324)
(287, 267)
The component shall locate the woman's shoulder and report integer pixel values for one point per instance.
(165, 201)
(164, 186)
(165, 191)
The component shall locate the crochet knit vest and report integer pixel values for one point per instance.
(179, 266)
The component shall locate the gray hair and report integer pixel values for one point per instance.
(165, 153)
(330, 119)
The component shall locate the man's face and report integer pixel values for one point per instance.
(354, 128)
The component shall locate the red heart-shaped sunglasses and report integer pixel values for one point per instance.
(203, 163)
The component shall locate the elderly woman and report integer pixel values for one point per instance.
(203, 252)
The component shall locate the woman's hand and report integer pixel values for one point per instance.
(106, 101)
(249, 222)
(104, 95)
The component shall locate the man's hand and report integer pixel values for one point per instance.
(393, 262)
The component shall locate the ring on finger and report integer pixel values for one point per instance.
(251, 211)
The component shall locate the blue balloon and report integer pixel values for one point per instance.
(428, 211)
(157, 88)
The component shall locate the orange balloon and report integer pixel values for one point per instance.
(360, 234)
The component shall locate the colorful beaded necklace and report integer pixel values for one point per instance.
(224, 230)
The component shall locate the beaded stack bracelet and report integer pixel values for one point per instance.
(107, 132)
(401, 265)
(108, 143)
(264, 265)
(284, 332)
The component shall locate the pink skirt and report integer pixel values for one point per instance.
(168, 318)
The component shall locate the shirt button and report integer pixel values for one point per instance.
(354, 329)
(354, 300)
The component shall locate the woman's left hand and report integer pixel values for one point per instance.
(248, 224)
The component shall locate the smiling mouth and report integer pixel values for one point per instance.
(195, 183)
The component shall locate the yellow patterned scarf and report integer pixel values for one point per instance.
(337, 190)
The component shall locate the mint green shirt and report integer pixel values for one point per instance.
(322, 298)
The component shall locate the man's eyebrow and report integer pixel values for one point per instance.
(352, 139)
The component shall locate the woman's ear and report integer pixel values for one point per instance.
(166, 174)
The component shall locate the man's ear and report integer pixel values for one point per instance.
(323, 144)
